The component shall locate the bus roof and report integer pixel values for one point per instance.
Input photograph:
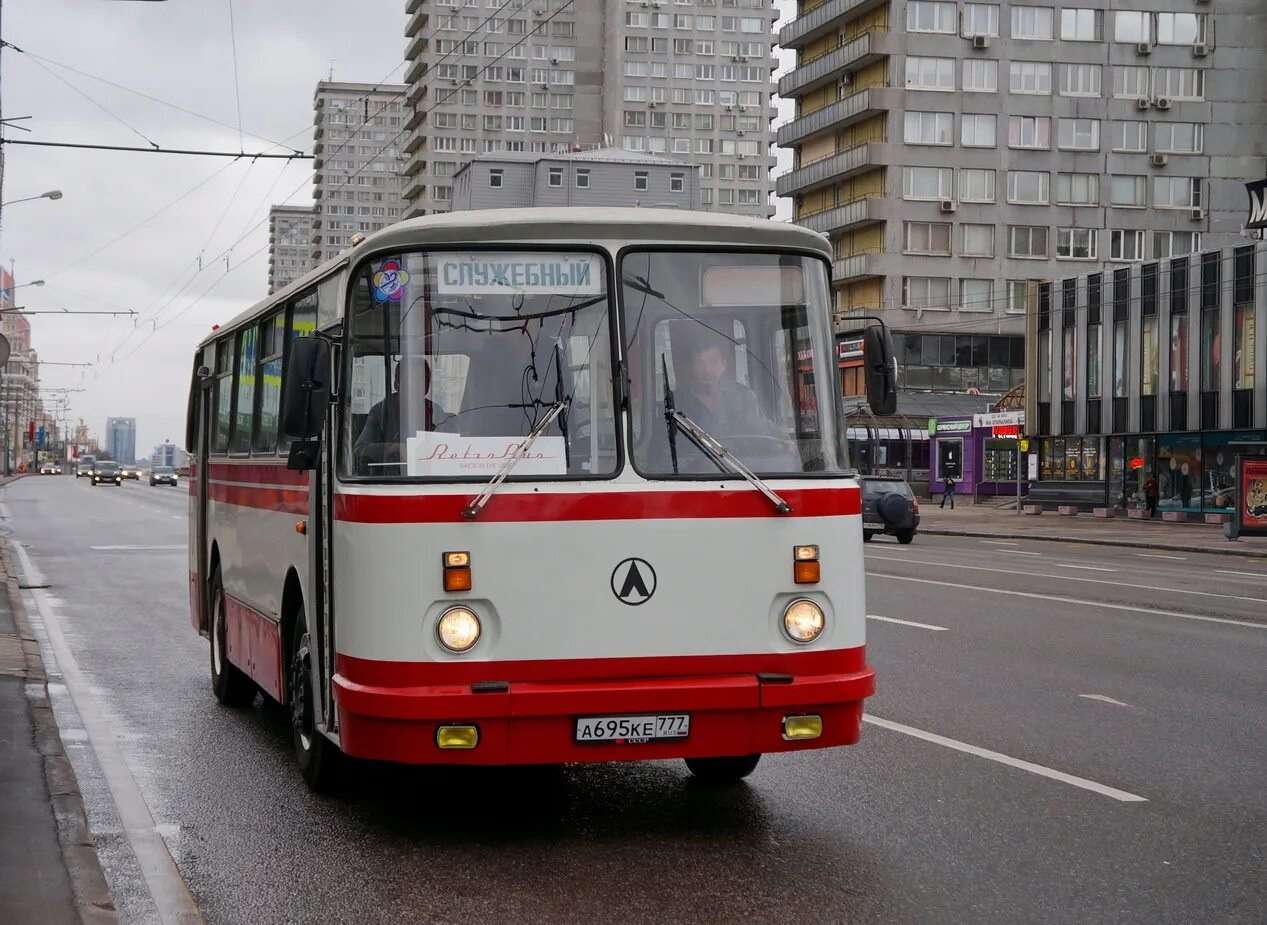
(521, 226)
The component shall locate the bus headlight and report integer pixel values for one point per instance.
(458, 629)
(803, 621)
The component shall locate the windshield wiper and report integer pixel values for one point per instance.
(476, 504)
(669, 410)
(721, 457)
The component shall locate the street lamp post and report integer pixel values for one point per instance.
(51, 194)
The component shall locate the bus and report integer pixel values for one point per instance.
(535, 487)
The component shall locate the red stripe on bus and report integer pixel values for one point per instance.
(377, 673)
(268, 473)
(287, 501)
(620, 505)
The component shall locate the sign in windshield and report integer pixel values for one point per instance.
(518, 274)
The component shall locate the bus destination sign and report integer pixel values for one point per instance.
(519, 274)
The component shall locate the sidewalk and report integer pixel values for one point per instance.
(49, 872)
(988, 520)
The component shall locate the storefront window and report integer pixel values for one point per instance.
(1093, 361)
(1053, 450)
(1179, 486)
(1243, 360)
(1068, 459)
(1210, 349)
(1218, 485)
(1091, 459)
(1067, 365)
(1130, 464)
(1178, 353)
(1073, 460)
(1148, 355)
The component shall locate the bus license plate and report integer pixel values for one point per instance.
(633, 729)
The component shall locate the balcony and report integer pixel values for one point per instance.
(416, 46)
(415, 208)
(415, 187)
(840, 114)
(415, 72)
(416, 119)
(417, 23)
(867, 265)
(412, 6)
(862, 211)
(828, 169)
(415, 164)
(416, 93)
(817, 72)
(819, 21)
(416, 141)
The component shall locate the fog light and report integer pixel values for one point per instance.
(803, 621)
(458, 629)
(457, 737)
(802, 727)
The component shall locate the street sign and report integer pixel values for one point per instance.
(1024, 445)
(1257, 205)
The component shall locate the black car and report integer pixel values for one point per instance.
(163, 475)
(105, 472)
(888, 506)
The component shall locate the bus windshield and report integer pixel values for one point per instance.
(457, 355)
(740, 345)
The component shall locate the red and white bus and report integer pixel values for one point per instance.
(537, 486)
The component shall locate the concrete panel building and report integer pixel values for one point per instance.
(690, 81)
(289, 245)
(603, 177)
(358, 129)
(955, 151)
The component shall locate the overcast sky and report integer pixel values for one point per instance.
(179, 51)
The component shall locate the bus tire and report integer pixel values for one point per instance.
(318, 758)
(723, 770)
(230, 685)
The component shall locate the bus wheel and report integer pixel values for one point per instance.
(723, 770)
(317, 756)
(231, 687)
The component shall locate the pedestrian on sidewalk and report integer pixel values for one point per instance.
(948, 491)
(1150, 496)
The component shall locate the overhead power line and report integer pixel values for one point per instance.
(251, 155)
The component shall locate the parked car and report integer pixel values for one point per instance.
(888, 506)
(106, 472)
(164, 475)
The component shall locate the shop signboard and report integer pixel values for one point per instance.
(1014, 419)
(950, 427)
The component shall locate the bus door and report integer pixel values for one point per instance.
(199, 442)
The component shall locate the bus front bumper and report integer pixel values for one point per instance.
(534, 722)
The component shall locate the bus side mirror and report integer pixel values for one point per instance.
(877, 353)
(306, 393)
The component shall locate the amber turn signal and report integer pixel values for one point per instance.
(805, 570)
(457, 571)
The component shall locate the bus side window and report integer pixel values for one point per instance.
(268, 390)
(302, 316)
(244, 406)
(223, 396)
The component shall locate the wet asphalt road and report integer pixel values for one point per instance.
(1064, 672)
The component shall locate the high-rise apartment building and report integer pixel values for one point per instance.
(687, 80)
(121, 439)
(357, 162)
(289, 245)
(955, 150)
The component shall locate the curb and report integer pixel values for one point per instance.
(1087, 541)
(93, 901)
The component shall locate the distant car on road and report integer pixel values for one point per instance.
(164, 475)
(888, 506)
(131, 472)
(105, 472)
(84, 466)
(50, 469)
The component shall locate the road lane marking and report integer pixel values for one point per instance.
(1154, 555)
(162, 878)
(1019, 763)
(1021, 552)
(921, 626)
(137, 548)
(1223, 571)
(1104, 698)
(1051, 598)
(1093, 581)
(1089, 568)
(1000, 543)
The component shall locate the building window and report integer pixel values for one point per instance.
(1178, 83)
(1077, 189)
(1032, 77)
(929, 128)
(1176, 193)
(980, 19)
(1175, 243)
(582, 178)
(1081, 25)
(928, 183)
(495, 179)
(1080, 80)
(926, 292)
(1129, 136)
(980, 76)
(1180, 28)
(1078, 134)
(976, 185)
(641, 180)
(976, 295)
(1128, 191)
(1131, 27)
(677, 182)
(749, 197)
(978, 240)
(931, 16)
(1029, 132)
(1027, 241)
(930, 74)
(1179, 137)
(555, 177)
(1149, 367)
(1126, 245)
(1017, 296)
(1032, 22)
(931, 238)
(1076, 243)
(1028, 187)
(1130, 82)
(978, 130)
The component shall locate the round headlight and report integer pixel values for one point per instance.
(803, 621)
(458, 629)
